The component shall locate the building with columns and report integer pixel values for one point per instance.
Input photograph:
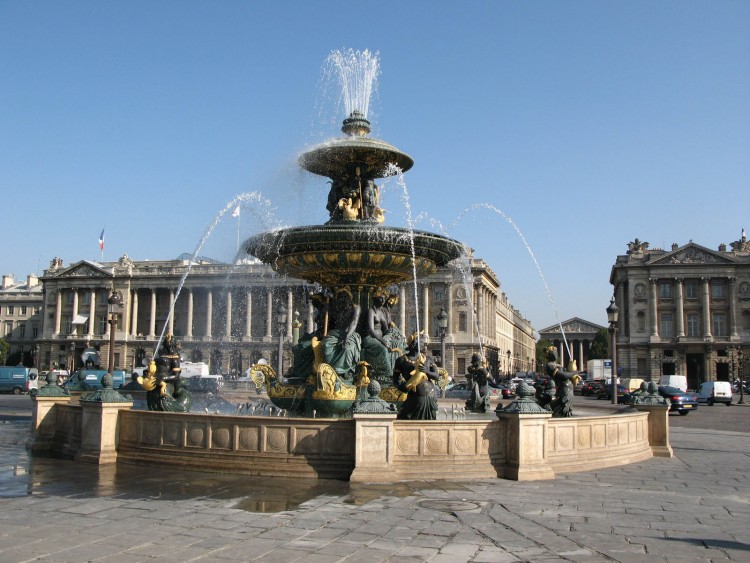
(226, 315)
(578, 334)
(683, 311)
(21, 318)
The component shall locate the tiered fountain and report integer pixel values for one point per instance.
(355, 259)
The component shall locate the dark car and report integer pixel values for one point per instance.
(682, 402)
(590, 388)
(605, 392)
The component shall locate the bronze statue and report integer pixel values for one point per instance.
(562, 404)
(342, 345)
(162, 371)
(383, 343)
(477, 377)
(545, 393)
(416, 375)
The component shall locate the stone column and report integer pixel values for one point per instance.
(248, 313)
(189, 327)
(679, 319)
(733, 334)
(228, 324)
(706, 305)
(269, 315)
(658, 429)
(92, 314)
(374, 443)
(58, 312)
(525, 438)
(171, 311)
(581, 364)
(126, 308)
(652, 311)
(152, 315)
(209, 312)
(134, 324)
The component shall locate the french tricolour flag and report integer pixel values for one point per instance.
(101, 240)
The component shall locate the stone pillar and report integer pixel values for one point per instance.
(134, 324)
(152, 315)
(228, 324)
(652, 308)
(248, 313)
(733, 334)
(581, 363)
(374, 439)
(679, 319)
(525, 440)
(92, 314)
(75, 303)
(99, 432)
(706, 305)
(171, 311)
(209, 312)
(658, 429)
(189, 327)
(43, 422)
(269, 314)
(126, 307)
(58, 312)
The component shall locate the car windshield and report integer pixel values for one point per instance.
(671, 390)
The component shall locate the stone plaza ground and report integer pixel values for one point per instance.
(693, 507)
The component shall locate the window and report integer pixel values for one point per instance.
(717, 289)
(691, 289)
(720, 324)
(11, 310)
(665, 290)
(667, 325)
(69, 297)
(8, 328)
(35, 332)
(693, 324)
(640, 321)
(461, 324)
(23, 310)
(22, 330)
(439, 293)
(66, 324)
(461, 365)
(102, 324)
(86, 298)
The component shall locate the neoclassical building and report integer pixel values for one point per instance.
(684, 311)
(226, 315)
(579, 336)
(21, 317)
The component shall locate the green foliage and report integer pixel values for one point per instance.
(600, 345)
(4, 347)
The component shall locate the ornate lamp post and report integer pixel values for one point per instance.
(612, 315)
(114, 304)
(740, 360)
(71, 366)
(507, 366)
(442, 319)
(281, 323)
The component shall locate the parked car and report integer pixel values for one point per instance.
(711, 392)
(623, 393)
(500, 391)
(590, 388)
(458, 391)
(681, 401)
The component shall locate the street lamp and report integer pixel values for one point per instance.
(612, 314)
(114, 303)
(71, 366)
(442, 319)
(281, 323)
(740, 359)
(507, 365)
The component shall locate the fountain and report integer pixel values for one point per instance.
(355, 258)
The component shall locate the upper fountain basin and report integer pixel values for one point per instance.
(335, 158)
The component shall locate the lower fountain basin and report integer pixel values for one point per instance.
(353, 253)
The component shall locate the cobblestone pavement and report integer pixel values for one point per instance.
(694, 507)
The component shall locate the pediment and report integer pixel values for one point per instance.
(692, 253)
(575, 325)
(85, 269)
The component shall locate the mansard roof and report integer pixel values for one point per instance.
(571, 326)
(692, 253)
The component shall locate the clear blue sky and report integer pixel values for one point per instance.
(588, 123)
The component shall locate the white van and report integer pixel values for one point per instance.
(678, 381)
(711, 392)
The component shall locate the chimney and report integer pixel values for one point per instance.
(722, 247)
(675, 246)
(31, 281)
(7, 280)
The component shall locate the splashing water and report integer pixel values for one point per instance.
(512, 223)
(357, 73)
(241, 200)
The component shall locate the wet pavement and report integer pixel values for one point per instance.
(694, 507)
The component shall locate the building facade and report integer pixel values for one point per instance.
(226, 315)
(573, 341)
(683, 311)
(21, 318)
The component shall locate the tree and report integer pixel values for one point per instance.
(542, 345)
(600, 346)
(4, 347)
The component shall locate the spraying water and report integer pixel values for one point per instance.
(239, 200)
(357, 73)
